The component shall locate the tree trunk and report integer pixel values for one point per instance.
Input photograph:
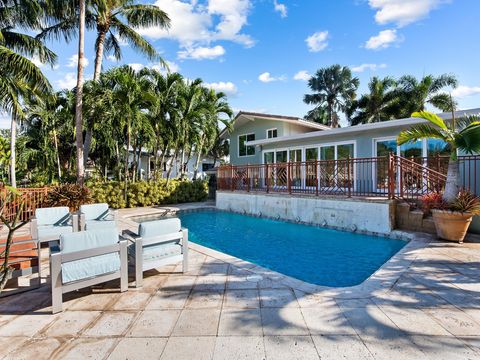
(127, 153)
(13, 140)
(119, 162)
(197, 163)
(99, 55)
(134, 160)
(451, 186)
(162, 159)
(79, 95)
(58, 155)
(87, 144)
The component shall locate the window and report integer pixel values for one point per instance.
(206, 167)
(271, 133)
(296, 155)
(344, 151)
(268, 157)
(437, 147)
(243, 149)
(311, 154)
(281, 156)
(412, 150)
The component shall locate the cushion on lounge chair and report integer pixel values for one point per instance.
(89, 267)
(52, 216)
(99, 224)
(157, 251)
(52, 232)
(151, 229)
(94, 211)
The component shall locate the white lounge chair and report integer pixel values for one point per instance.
(87, 258)
(97, 216)
(157, 243)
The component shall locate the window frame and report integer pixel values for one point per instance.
(246, 146)
(271, 129)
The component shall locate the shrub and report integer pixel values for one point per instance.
(432, 201)
(71, 195)
(149, 193)
(466, 202)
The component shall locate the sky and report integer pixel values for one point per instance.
(262, 52)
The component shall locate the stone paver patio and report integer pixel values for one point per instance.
(222, 309)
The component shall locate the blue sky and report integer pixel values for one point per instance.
(260, 52)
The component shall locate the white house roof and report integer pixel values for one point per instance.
(360, 128)
(243, 117)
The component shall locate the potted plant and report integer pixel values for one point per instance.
(462, 135)
(452, 220)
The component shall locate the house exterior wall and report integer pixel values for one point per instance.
(259, 127)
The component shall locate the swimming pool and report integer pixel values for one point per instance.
(312, 254)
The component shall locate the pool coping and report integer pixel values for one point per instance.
(382, 280)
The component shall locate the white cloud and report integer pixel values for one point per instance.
(172, 67)
(228, 87)
(194, 23)
(371, 67)
(302, 75)
(464, 91)
(69, 81)
(201, 53)
(73, 61)
(266, 77)
(383, 40)
(318, 41)
(281, 8)
(402, 12)
(136, 66)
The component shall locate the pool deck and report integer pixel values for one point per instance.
(422, 304)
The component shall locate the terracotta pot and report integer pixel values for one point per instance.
(451, 225)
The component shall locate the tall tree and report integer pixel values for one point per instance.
(334, 91)
(416, 94)
(379, 104)
(19, 76)
(79, 95)
(115, 21)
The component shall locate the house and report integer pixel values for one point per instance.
(294, 156)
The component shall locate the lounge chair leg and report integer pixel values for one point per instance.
(56, 283)
(138, 263)
(185, 250)
(123, 266)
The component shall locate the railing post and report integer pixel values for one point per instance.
(289, 183)
(348, 177)
(248, 179)
(390, 177)
(231, 178)
(317, 177)
(267, 179)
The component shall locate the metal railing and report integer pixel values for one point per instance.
(390, 177)
(32, 198)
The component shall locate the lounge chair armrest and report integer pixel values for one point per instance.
(85, 254)
(163, 239)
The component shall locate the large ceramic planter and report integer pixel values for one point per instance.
(451, 225)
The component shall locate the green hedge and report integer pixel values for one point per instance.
(149, 193)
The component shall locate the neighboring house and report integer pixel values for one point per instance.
(146, 166)
(249, 127)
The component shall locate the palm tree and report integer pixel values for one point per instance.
(334, 91)
(463, 135)
(416, 94)
(19, 76)
(79, 95)
(217, 111)
(115, 21)
(380, 104)
(161, 112)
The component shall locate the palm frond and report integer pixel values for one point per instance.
(145, 16)
(419, 132)
(433, 118)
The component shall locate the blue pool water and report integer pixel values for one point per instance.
(312, 254)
